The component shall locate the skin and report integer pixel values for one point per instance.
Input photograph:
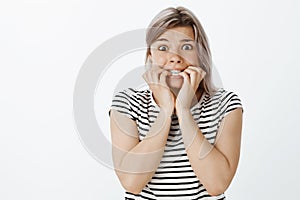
(216, 165)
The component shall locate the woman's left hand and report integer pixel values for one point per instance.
(192, 76)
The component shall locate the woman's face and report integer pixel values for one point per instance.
(175, 49)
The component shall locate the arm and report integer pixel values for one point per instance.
(215, 166)
(136, 162)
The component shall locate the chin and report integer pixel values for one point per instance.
(175, 83)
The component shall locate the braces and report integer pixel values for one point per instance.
(175, 72)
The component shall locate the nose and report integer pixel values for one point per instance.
(175, 59)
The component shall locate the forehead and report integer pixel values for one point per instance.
(182, 32)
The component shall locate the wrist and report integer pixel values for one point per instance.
(181, 113)
(167, 110)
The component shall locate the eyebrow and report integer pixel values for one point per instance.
(183, 40)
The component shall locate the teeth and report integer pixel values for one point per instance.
(175, 72)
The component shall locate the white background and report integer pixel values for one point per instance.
(255, 46)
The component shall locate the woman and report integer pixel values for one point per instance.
(179, 139)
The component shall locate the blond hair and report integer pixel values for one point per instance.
(180, 16)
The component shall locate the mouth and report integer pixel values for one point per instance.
(175, 72)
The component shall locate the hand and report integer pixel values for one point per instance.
(156, 79)
(192, 76)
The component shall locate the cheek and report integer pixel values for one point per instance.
(158, 58)
(191, 58)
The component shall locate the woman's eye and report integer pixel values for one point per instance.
(187, 47)
(163, 48)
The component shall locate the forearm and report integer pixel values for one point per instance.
(137, 166)
(209, 164)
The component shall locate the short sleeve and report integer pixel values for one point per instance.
(233, 103)
(122, 102)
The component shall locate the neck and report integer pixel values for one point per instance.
(198, 95)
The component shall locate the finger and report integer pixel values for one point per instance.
(194, 76)
(187, 87)
(200, 70)
(155, 67)
(163, 77)
(155, 74)
(186, 78)
(197, 69)
(146, 76)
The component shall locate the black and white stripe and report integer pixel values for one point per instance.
(175, 178)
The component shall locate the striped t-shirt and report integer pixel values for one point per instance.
(174, 178)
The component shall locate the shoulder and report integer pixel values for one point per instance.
(226, 100)
(133, 96)
(130, 93)
(129, 101)
(224, 95)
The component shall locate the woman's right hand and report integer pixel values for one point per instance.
(156, 79)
